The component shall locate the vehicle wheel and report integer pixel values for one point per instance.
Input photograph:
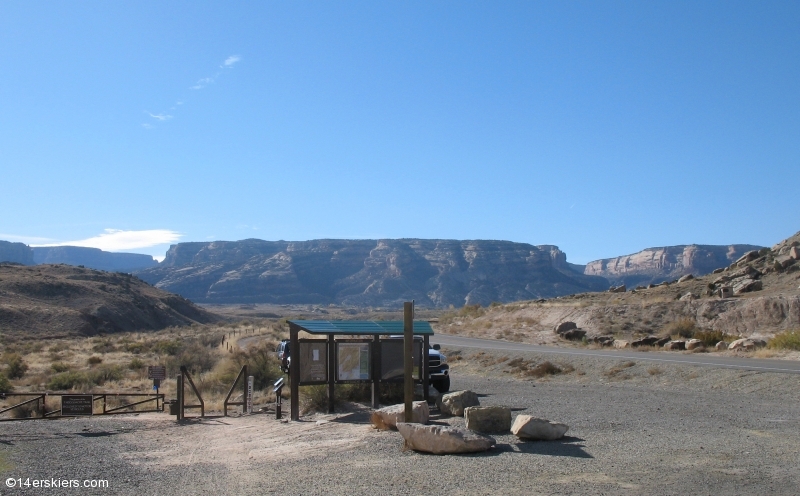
(442, 385)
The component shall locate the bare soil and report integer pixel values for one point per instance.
(634, 429)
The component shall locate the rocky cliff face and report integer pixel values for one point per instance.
(434, 273)
(93, 258)
(655, 265)
(16, 252)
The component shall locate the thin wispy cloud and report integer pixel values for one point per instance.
(231, 60)
(120, 240)
(14, 238)
(201, 83)
(160, 117)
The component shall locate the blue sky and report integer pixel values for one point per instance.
(600, 127)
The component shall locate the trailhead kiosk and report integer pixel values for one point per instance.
(353, 351)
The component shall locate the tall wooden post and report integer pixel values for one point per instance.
(331, 372)
(408, 360)
(425, 367)
(376, 371)
(179, 382)
(294, 371)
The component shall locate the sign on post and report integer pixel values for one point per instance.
(250, 394)
(157, 372)
(77, 405)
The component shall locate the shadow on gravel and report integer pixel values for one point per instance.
(567, 446)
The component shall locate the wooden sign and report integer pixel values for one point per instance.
(157, 372)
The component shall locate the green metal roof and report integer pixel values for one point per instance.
(370, 327)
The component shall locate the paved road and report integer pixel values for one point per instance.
(703, 359)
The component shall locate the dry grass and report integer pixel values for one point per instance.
(119, 362)
(616, 371)
(787, 340)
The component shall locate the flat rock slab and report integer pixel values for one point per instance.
(388, 417)
(443, 440)
(455, 403)
(537, 429)
(494, 419)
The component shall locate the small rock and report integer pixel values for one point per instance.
(694, 344)
(675, 345)
(532, 428)
(651, 286)
(442, 440)
(717, 271)
(721, 346)
(492, 419)
(687, 277)
(747, 257)
(687, 297)
(388, 417)
(455, 403)
(621, 343)
(794, 252)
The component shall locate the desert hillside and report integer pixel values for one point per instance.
(62, 300)
(765, 300)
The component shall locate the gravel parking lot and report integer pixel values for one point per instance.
(634, 428)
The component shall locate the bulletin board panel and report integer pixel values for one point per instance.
(313, 361)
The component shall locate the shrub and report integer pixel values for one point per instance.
(136, 364)
(60, 367)
(684, 328)
(5, 384)
(67, 380)
(167, 347)
(16, 365)
(710, 338)
(94, 360)
(105, 346)
(787, 340)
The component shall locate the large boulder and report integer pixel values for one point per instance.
(494, 419)
(678, 344)
(646, 341)
(747, 285)
(532, 428)
(455, 403)
(442, 440)
(794, 252)
(687, 277)
(621, 343)
(721, 346)
(388, 417)
(574, 335)
(747, 344)
(693, 344)
(564, 327)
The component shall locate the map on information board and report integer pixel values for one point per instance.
(353, 361)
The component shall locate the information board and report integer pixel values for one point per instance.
(353, 361)
(76, 405)
(392, 352)
(313, 361)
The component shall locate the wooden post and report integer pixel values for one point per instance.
(425, 367)
(408, 360)
(331, 371)
(179, 389)
(244, 389)
(376, 371)
(294, 371)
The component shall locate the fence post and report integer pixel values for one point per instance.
(179, 388)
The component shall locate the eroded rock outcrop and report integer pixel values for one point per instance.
(655, 265)
(368, 272)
